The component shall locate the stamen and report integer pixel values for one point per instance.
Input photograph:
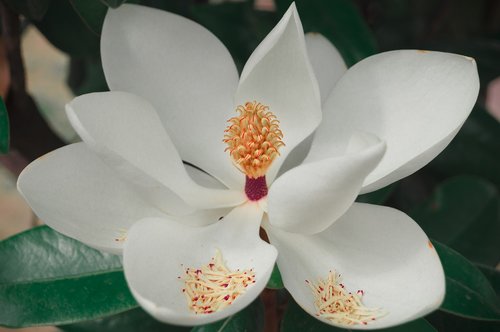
(336, 304)
(121, 235)
(253, 139)
(213, 287)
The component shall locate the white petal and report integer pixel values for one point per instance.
(78, 195)
(127, 134)
(415, 101)
(278, 74)
(184, 71)
(309, 198)
(326, 61)
(157, 252)
(376, 249)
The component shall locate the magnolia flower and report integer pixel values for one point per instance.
(307, 138)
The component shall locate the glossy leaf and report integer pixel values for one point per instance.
(134, 320)
(113, 3)
(86, 75)
(493, 276)
(62, 26)
(468, 292)
(32, 9)
(249, 319)
(464, 213)
(340, 22)
(474, 150)
(446, 322)
(4, 128)
(298, 320)
(48, 279)
(275, 282)
(92, 13)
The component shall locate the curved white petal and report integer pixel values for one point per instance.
(415, 101)
(127, 134)
(278, 74)
(202, 178)
(309, 198)
(326, 61)
(78, 195)
(157, 251)
(376, 249)
(184, 71)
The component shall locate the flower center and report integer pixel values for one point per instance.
(253, 139)
(336, 304)
(213, 287)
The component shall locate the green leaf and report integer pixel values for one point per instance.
(32, 9)
(4, 128)
(135, 320)
(379, 196)
(62, 26)
(92, 13)
(86, 75)
(238, 25)
(468, 292)
(49, 279)
(298, 320)
(249, 319)
(493, 276)
(340, 22)
(474, 150)
(275, 282)
(464, 213)
(113, 3)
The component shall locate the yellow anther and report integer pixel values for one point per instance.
(253, 139)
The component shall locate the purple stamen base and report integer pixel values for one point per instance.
(256, 188)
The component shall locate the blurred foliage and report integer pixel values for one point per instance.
(4, 128)
(455, 199)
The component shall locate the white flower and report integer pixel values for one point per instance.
(126, 190)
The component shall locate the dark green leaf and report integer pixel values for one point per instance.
(298, 320)
(379, 196)
(32, 9)
(468, 292)
(275, 282)
(4, 128)
(340, 22)
(62, 26)
(135, 320)
(48, 279)
(446, 322)
(113, 3)
(237, 25)
(92, 12)
(493, 276)
(474, 150)
(86, 75)
(249, 319)
(464, 213)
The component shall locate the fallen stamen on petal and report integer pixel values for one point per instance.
(337, 305)
(213, 286)
(122, 235)
(253, 139)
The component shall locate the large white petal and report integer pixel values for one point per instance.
(126, 132)
(278, 74)
(309, 198)
(75, 193)
(157, 251)
(184, 71)
(415, 101)
(376, 249)
(326, 61)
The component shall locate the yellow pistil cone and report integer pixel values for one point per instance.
(253, 139)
